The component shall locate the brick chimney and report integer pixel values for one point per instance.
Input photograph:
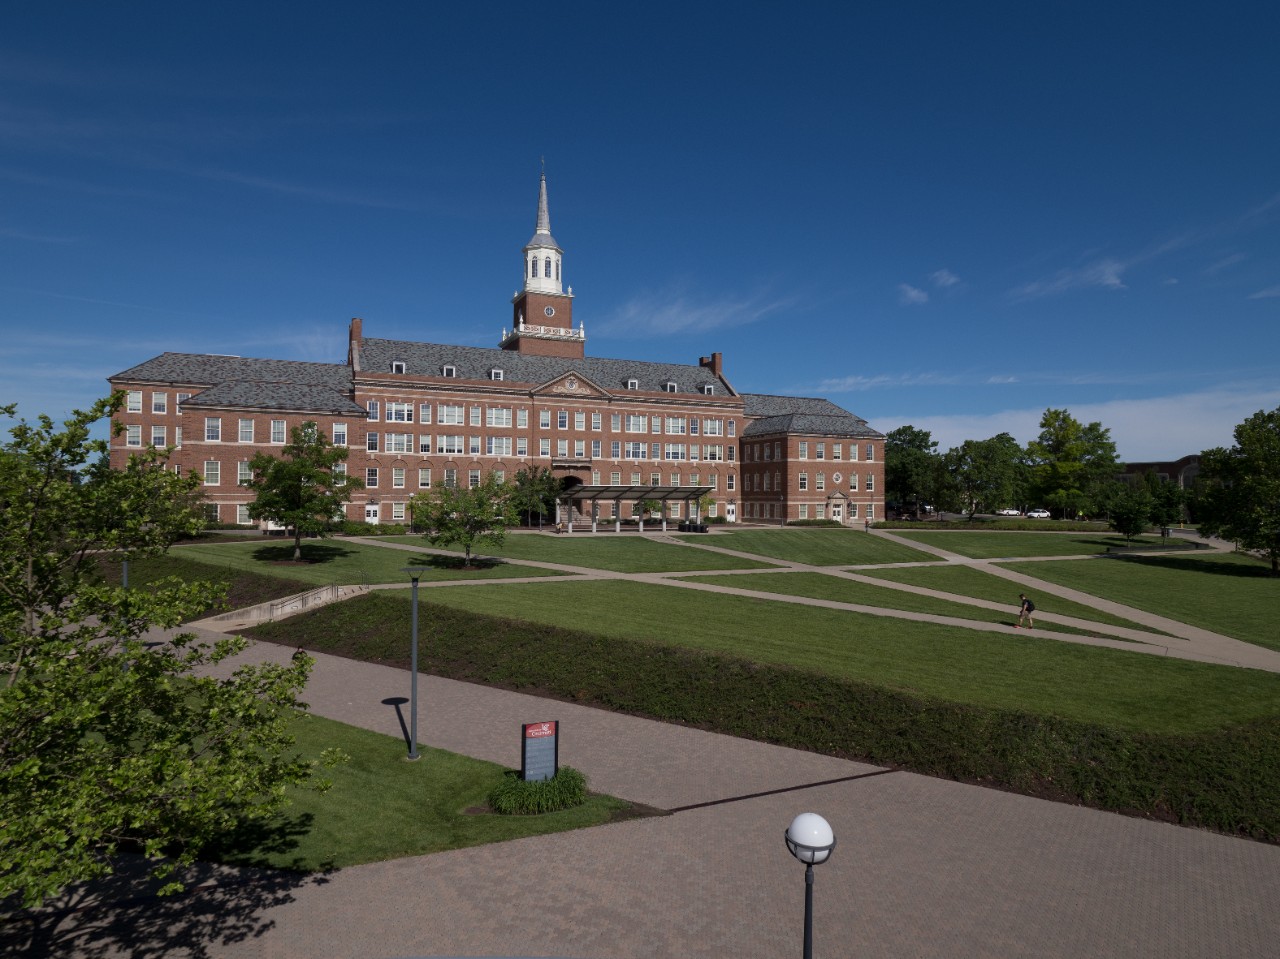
(354, 340)
(714, 362)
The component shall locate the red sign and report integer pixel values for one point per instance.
(538, 730)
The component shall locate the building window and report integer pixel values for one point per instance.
(615, 478)
(544, 447)
(212, 429)
(133, 404)
(277, 431)
(476, 416)
(562, 448)
(498, 446)
(615, 422)
(733, 427)
(212, 473)
(473, 478)
(615, 450)
(708, 390)
(397, 477)
(821, 481)
(804, 510)
(424, 412)
(522, 419)
(371, 477)
(804, 482)
(449, 443)
(399, 443)
(339, 434)
(597, 421)
(633, 384)
(595, 451)
(836, 479)
(533, 266)
(580, 449)
(837, 451)
(133, 435)
(157, 436)
(730, 481)
(562, 420)
(871, 453)
(424, 478)
(474, 446)
(579, 421)
(449, 371)
(871, 511)
(522, 446)
(246, 431)
(244, 474)
(820, 511)
(242, 516)
(177, 437)
(339, 469)
(424, 444)
(544, 419)
(495, 374)
(803, 452)
(637, 423)
(178, 401)
(372, 407)
(449, 414)
(853, 511)
(853, 452)
(670, 387)
(397, 366)
(397, 511)
(675, 425)
(871, 482)
(371, 442)
(399, 412)
(159, 402)
(450, 477)
(853, 481)
(546, 268)
(822, 451)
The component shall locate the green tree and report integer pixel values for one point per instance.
(109, 743)
(984, 475)
(1070, 462)
(300, 489)
(1240, 498)
(911, 466)
(466, 517)
(1168, 500)
(1130, 511)
(534, 492)
(649, 507)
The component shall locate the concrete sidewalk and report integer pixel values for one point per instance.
(923, 867)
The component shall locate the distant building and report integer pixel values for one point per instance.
(418, 414)
(1183, 471)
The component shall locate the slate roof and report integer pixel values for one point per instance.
(237, 381)
(802, 415)
(474, 363)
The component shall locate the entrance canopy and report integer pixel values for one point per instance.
(662, 494)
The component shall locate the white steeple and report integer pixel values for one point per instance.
(542, 254)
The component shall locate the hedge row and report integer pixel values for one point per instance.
(1227, 780)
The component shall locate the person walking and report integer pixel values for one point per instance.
(1025, 612)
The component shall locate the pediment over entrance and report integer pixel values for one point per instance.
(571, 384)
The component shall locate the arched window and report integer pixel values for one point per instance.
(546, 269)
(533, 266)
(557, 271)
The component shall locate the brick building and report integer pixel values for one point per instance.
(418, 414)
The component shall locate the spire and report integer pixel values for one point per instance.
(544, 216)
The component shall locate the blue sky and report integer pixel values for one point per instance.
(949, 215)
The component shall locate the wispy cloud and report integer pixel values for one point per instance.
(943, 278)
(1219, 265)
(1106, 273)
(909, 295)
(1151, 429)
(656, 313)
(11, 234)
(1268, 293)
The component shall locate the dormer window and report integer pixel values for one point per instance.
(397, 366)
(708, 390)
(449, 371)
(633, 384)
(495, 374)
(671, 386)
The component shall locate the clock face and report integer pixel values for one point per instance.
(571, 383)
(550, 311)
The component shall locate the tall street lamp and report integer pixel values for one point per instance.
(810, 839)
(414, 572)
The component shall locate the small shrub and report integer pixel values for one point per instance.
(515, 797)
(814, 522)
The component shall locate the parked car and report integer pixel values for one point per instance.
(1008, 511)
(1038, 514)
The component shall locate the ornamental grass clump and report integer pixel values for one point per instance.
(516, 797)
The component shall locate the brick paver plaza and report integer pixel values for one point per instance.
(923, 867)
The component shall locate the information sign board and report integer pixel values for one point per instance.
(539, 751)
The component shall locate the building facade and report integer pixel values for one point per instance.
(414, 415)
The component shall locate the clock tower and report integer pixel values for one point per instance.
(542, 314)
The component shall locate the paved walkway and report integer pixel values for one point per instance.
(923, 867)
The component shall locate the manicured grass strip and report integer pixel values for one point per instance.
(983, 545)
(1226, 779)
(968, 581)
(818, 586)
(244, 588)
(1232, 594)
(814, 547)
(382, 807)
(1023, 672)
(630, 553)
(343, 562)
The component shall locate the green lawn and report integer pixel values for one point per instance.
(346, 563)
(1228, 593)
(971, 581)
(1026, 672)
(984, 545)
(835, 589)
(630, 553)
(814, 547)
(383, 807)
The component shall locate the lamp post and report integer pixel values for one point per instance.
(810, 840)
(414, 572)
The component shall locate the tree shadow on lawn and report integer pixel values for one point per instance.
(312, 553)
(454, 563)
(122, 915)
(1209, 565)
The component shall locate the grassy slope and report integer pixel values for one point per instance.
(984, 545)
(1230, 594)
(815, 547)
(1035, 675)
(382, 807)
(346, 563)
(632, 553)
